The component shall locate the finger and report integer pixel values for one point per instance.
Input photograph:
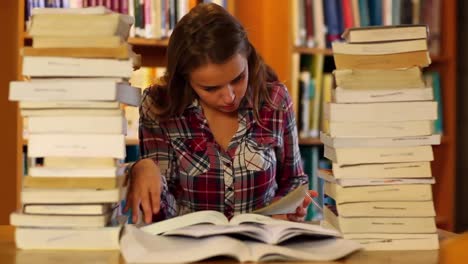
(301, 211)
(155, 195)
(135, 207)
(294, 218)
(280, 217)
(313, 193)
(146, 206)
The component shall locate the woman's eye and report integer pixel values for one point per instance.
(238, 79)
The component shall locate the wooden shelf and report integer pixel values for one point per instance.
(148, 42)
(310, 141)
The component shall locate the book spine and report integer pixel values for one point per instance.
(332, 21)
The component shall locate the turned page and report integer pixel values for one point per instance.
(200, 217)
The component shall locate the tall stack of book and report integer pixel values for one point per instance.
(378, 134)
(74, 103)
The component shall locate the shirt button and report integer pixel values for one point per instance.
(230, 189)
(227, 164)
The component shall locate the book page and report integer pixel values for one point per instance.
(137, 246)
(200, 217)
(287, 204)
(318, 250)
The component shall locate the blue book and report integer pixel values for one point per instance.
(332, 20)
(375, 12)
(364, 13)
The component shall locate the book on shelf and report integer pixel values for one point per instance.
(77, 42)
(67, 182)
(383, 170)
(91, 124)
(372, 224)
(379, 33)
(78, 67)
(124, 51)
(72, 112)
(347, 142)
(379, 79)
(61, 23)
(75, 89)
(360, 155)
(386, 111)
(39, 220)
(97, 238)
(68, 209)
(328, 176)
(385, 61)
(140, 247)
(76, 145)
(409, 192)
(71, 196)
(380, 48)
(379, 129)
(342, 95)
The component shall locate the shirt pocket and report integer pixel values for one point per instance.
(259, 154)
(191, 154)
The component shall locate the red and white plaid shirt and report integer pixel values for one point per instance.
(260, 163)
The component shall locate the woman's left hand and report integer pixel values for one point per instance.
(301, 210)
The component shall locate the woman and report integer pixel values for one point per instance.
(218, 132)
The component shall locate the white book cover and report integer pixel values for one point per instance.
(327, 175)
(101, 238)
(388, 111)
(75, 89)
(110, 172)
(71, 196)
(76, 145)
(350, 142)
(383, 170)
(77, 125)
(76, 67)
(341, 95)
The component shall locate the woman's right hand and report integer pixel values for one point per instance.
(145, 189)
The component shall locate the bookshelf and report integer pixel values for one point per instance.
(269, 26)
(275, 27)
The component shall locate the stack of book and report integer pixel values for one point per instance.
(74, 104)
(378, 134)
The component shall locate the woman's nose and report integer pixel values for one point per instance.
(228, 94)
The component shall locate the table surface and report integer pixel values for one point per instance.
(9, 254)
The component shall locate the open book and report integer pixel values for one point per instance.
(287, 204)
(139, 247)
(252, 226)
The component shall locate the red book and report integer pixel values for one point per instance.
(347, 8)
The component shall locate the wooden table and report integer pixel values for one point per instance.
(10, 255)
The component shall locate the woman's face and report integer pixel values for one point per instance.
(221, 87)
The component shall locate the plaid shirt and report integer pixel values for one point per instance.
(260, 163)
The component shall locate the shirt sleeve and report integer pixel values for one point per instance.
(290, 173)
(155, 144)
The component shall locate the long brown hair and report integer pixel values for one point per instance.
(208, 34)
